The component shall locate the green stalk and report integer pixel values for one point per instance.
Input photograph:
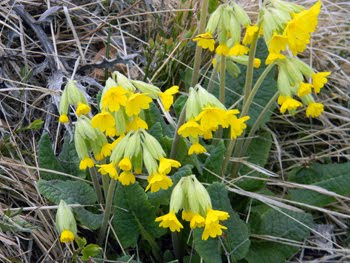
(238, 150)
(105, 182)
(222, 79)
(107, 212)
(257, 123)
(97, 187)
(211, 80)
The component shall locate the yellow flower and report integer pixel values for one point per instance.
(63, 118)
(86, 163)
(290, 104)
(237, 125)
(190, 128)
(257, 63)
(197, 149)
(111, 131)
(158, 181)
(273, 56)
(105, 151)
(125, 164)
(109, 169)
(167, 97)
(197, 221)
(281, 99)
(135, 124)
(126, 178)
(314, 109)
(136, 102)
(205, 41)
(170, 221)
(165, 165)
(210, 118)
(82, 109)
(66, 236)
(319, 79)
(207, 135)
(213, 230)
(105, 122)
(222, 50)
(216, 215)
(114, 98)
(187, 215)
(238, 50)
(249, 34)
(277, 43)
(304, 89)
(114, 144)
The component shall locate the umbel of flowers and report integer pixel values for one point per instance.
(190, 196)
(204, 115)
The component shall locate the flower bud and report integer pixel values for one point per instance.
(153, 146)
(214, 20)
(287, 6)
(120, 121)
(65, 222)
(232, 68)
(74, 94)
(241, 15)
(150, 163)
(64, 105)
(305, 69)
(133, 144)
(235, 31)
(283, 82)
(192, 105)
(118, 151)
(202, 195)
(177, 197)
(149, 89)
(294, 74)
(80, 146)
(123, 81)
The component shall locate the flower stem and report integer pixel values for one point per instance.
(222, 79)
(238, 150)
(211, 80)
(108, 209)
(97, 187)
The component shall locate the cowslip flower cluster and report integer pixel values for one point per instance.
(204, 115)
(226, 21)
(72, 95)
(190, 196)
(135, 149)
(65, 223)
(291, 83)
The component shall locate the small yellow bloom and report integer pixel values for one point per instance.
(281, 99)
(205, 41)
(222, 50)
(216, 215)
(273, 56)
(158, 181)
(238, 50)
(208, 134)
(237, 125)
(63, 118)
(114, 98)
(197, 221)
(290, 104)
(213, 230)
(125, 164)
(105, 151)
(277, 43)
(249, 34)
(196, 149)
(82, 109)
(190, 128)
(109, 169)
(165, 165)
(187, 215)
(105, 122)
(167, 97)
(66, 236)
(304, 89)
(86, 163)
(170, 221)
(257, 63)
(210, 118)
(135, 124)
(126, 178)
(319, 80)
(136, 102)
(314, 109)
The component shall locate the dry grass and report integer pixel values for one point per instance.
(37, 57)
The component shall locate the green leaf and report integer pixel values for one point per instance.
(154, 116)
(257, 153)
(179, 104)
(236, 237)
(156, 131)
(69, 159)
(209, 249)
(90, 250)
(213, 164)
(81, 241)
(162, 197)
(47, 160)
(72, 192)
(332, 177)
(134, 215)
(278, 223)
